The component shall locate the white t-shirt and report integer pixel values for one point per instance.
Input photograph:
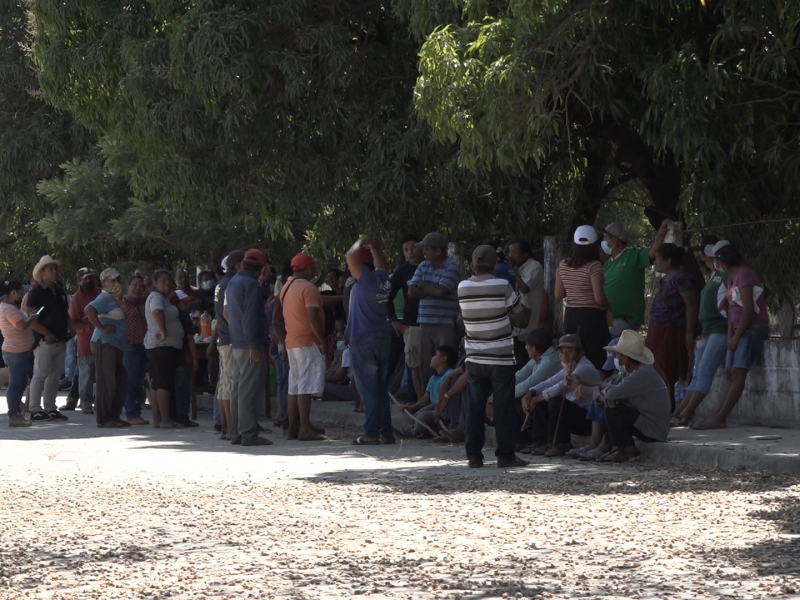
(532, 274)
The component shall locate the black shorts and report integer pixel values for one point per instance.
(164, 362)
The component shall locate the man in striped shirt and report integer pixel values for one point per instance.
(486, 301)
(435, 284)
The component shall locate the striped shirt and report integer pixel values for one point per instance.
(578, 284)
(438, 311)
(485, 301)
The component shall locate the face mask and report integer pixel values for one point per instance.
(618, 366)
(207, 285)
(605, 247)
(340, 345)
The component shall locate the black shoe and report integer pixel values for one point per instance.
(57, 416)
(256, 441)
(388, 439)
(218, 428)
(508, 463)
(237, 441)
(40, 415)
(72, 404)
(475, 462)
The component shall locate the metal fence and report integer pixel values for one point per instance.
(771, 247)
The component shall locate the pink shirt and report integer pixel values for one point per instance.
(15, 340)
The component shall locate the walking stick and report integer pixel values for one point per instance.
(563, 402)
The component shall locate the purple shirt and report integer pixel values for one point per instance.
(368, 318)
(668, 307)
(744, 277)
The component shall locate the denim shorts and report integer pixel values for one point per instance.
(749, 348)
(709, 355)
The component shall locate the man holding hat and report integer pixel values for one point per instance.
(636, 399)
(435, 284)
(369, 334)
(106, 314)
(86, 293)
(247, 324)
(624, 275)
(486, 301)
(56, 329)
(305, 346)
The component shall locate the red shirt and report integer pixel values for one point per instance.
(83, 329)
(137, 322)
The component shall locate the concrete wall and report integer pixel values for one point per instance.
(772, 392)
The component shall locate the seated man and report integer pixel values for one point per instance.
(556, 411)
(543, 363)
(337, 377)
(424, 409)
(635, 400)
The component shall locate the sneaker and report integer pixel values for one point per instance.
(256, 441)
(57, 416)
(40, 415)
(18, 421)
(510, 463)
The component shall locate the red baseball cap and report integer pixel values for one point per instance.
(256, 257)
(303, 261)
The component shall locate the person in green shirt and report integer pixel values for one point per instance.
(712, 348)
(624, 275)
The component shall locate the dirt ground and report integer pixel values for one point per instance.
(151, 514)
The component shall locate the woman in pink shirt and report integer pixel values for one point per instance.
(748, 327)
(17, 348)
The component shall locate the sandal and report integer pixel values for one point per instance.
(363, 441)
(678, 422)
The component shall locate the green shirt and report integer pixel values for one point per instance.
(624, 285)
(709, 317)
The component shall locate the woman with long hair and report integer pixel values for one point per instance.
(580, 280)
(18, 340)
(673, 315)
(748, 327)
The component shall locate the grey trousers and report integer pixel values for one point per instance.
(112, 382)
(247, 395)
(430, 338)
(48, 365)
(86, 380)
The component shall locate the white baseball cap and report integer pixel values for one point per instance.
(712, 250)
(585, 235)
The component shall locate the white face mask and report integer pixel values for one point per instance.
(207, 285)
(340, 345)
(605, 247)
(618, 366)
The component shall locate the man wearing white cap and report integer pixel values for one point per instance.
(636, 399)
(624, 275)
(48, 362)
(109, 340)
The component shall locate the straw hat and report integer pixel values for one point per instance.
(631, 344)
(43, 262)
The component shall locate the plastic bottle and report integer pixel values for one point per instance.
(205, 325)
(680, 390)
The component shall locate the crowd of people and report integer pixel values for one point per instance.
(421, 350)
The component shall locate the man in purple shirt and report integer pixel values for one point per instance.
(369, 333)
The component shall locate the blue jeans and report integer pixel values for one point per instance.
(18, 364)
(70, 362)
(135, 361)
(247, 395)
(709, 355)
(282, 372)
(484, 381)
(749, 348)
(182, 399)
(370, 360)
(86, 381)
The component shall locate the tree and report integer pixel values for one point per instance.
(675, 94)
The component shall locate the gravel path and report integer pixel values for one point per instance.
(179, 515)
